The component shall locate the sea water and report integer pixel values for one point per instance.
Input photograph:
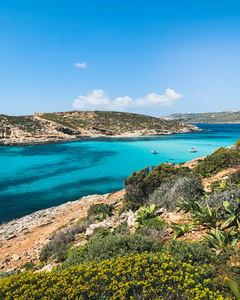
(41, 176)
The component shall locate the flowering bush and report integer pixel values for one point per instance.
(110, 247)
(137, 276)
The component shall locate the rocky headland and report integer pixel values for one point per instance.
(67, 126)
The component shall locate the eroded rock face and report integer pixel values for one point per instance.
(8, 132)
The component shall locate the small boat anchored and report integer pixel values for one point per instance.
(193, 150)
(154, 151)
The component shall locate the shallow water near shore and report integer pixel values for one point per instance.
(41, 176)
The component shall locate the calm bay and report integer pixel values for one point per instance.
(41, 176)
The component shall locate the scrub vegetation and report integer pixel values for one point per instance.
(25, 123)
(109, 122)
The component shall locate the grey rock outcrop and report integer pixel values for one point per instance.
(112, 223)
(42, 217)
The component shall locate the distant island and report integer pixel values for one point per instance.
(62, 126)
(209, 117)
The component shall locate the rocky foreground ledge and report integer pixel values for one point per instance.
(21, 240)
(42, 217)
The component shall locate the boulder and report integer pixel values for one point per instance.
(15, 257)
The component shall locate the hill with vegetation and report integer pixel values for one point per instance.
(210, 117)
(44, 127)
(168, 237)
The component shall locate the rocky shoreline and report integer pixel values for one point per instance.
(25, 140)
(21, 240)
(13, 228)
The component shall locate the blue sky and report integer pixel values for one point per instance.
(151, 57)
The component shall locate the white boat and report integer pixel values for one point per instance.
(193, 150)
(154, 151)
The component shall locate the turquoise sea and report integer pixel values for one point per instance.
(41, 176)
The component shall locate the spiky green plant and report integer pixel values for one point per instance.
(145, 214)
(186, 204)
(223, 185)
(235, 289)
(220, 241)
(234, 217)
(101, 211)
(180, 229)
(204, 215)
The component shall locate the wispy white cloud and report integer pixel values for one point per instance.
(80, 65)
(98, 99)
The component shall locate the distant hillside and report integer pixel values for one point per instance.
(210, 117)
(45, 127)
(110, 123)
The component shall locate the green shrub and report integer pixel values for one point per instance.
(223, 185)
(190, 252)
(160, 235)
(157, 223)
(111, 247)
(122, 229)
(7, 274)
(28, 266)
(221, 159)
(235, 177)
(101, 211)
(237, 144)
(169, 193)
(141, 184)
(57, 250)
(60, 242)
(155, 227)
(233, 218)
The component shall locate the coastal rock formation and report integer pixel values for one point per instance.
(112, 223)
(21, 240)
(8, 131)
(42, 217)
